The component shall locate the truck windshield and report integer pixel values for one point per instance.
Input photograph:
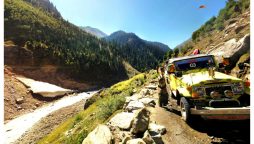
(194, 63)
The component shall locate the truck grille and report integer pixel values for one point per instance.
(223, 103)
(219, 89)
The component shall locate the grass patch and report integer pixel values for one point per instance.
(110, 100)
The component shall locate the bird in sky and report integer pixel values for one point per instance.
(202, 6)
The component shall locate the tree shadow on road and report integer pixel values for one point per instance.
(220, 131)
(224, 131)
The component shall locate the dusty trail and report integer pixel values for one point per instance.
(16, 127)
(200, 131)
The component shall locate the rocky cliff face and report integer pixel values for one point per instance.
(233, 41)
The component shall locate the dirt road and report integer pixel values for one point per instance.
(16, 127)
(200, 131)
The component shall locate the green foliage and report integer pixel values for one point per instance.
(109, 101)
(232, 9)
(168, 54)
(176, 52)
(60, 42)
(142, 57)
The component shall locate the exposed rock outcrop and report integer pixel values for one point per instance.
(132, 127)
(140, 122)
(136, 141)
(233, 49)
(100, 135)
(42, 88)
(156, 128)
(122, 120)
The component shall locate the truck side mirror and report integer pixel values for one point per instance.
(178, 73)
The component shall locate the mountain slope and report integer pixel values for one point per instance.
(54, 41)
(123, 38)
(226, 35)
(233, 21)
(141, 54)
(94, 31)
(47, 6)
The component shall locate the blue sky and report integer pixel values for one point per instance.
(168, 21)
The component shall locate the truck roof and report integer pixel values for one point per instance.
(188, 57)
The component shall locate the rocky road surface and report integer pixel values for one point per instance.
(200, 131)
(16, 127)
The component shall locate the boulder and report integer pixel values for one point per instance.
(100, 135)
(125, 136)
(122, 120)
(148, 101)
(19, 100)
(240, 27)
(151, 86)
(131, 98)
(141, 121)
(157, 128)
(233, 49)
(156, 138)
(42, 88)
(147, 138)
(134, 105)
(136, 141)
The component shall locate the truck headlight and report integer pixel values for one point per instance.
(198, 92)
(237, 88)
(215, 94)
(228, 93)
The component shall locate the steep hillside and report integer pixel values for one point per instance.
(94, 31)
(222, 34)
(42, 39)
(141, 54)
(47, 6)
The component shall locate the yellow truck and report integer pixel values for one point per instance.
(195, 87)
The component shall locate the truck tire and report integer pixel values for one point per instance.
(185, 109)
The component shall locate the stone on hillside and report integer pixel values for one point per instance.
(136, 141)
(156, 137)
(147, 138)
(100, 135)
(146, 92)
(240, 27)
(153, 87)
(134, 105)
(141, 121)
(232, 49)
(148, 101)
(43, 88)
(20, 100)
(122, 120)
(19, 108)
(229, 28)
(125, 140)
(157, 128)
(131, 98)
(125, 136)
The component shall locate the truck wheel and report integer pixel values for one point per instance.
(185, 109)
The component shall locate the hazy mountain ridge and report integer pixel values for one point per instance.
(122, 38)
(94, 31)
(137, 51)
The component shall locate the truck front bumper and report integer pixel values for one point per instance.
(237, 113)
